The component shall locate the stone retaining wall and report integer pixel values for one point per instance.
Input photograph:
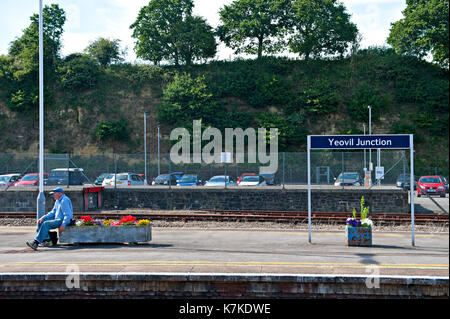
(323, 200)
(178, 285)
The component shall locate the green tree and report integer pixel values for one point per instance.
(186, 99)
(320, 27)
(25, 49)
(423, 30)
(105, 51)
(196, 40)
(113, 130)
(166, 30)
(253, 26)
(79, 72)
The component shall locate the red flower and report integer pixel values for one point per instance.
(127, 219)
(86, 219)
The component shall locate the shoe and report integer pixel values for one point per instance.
(33, 245)
(46, 243)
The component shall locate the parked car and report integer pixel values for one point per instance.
(250, 180)
(348, 179)
(66, 176)
(149, 179)
(189, 180)
(99, 180)
(107, 180)
(8, 180)
(404, 181)
(31, 179)
(431, 185)
(165, 179)
(178, 175)
(239, 179)
(444, 181)
(220, 180)
(127, 179)
(268, 179)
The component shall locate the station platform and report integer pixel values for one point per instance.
(234, 250)
(238, 253)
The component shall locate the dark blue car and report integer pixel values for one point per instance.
(189, 180)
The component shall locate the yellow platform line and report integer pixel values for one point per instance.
(237, 264)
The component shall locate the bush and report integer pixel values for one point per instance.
(79, 72)
(113, 130)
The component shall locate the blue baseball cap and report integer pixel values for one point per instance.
(57, 190)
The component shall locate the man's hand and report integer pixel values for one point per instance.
(61, 229)
(40, 220)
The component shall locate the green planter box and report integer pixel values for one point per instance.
(358, 236)
(106, 234)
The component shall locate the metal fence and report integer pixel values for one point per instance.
(291, 167)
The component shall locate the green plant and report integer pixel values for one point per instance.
(364, 210)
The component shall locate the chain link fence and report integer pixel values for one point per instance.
(291, 168)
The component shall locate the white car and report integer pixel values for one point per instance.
(251, 180)
(107, 180)
(9, 179)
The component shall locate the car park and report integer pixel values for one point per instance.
(66, 176)
(430, 185)
(165, 179)
(444, 181)
(250, 180)
(189, 180)
(126, 179)
(8, 180)
(220, 180)
(348, 179)
(31, 179)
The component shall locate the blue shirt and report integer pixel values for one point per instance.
(61, 210)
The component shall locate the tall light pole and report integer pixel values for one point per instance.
(145, 147)
(159, 154)
(370, 150)
(41, 197)
(365, 166)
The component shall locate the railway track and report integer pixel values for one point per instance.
(253, 216)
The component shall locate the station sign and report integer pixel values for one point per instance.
(326, 142)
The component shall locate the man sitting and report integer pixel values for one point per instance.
(59, 217)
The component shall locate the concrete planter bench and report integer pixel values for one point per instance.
(106, 234)
(358, 236)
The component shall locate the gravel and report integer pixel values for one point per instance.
(428, 228)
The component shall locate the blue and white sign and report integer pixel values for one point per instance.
(326, 142)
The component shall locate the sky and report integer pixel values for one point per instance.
(87, 20)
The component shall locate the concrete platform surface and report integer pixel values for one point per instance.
(194, 250)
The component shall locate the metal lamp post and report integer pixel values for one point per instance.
(41, 197)
(370, 150)
(145, 147)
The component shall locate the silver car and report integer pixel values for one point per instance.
(220, 180)
(125, 179)
(348, 179)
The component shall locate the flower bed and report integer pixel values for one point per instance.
(88, 230)
(359, 232)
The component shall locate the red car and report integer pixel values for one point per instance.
(239, 179)
(31, 179)
(431, 185)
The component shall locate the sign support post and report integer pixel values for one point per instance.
(326, 142)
